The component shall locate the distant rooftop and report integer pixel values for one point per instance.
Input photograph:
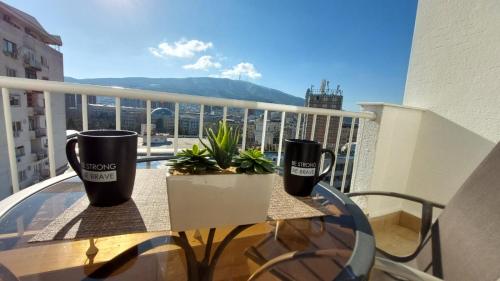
(32, 24)
(324, 89)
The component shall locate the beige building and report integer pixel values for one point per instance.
(29, 51)
(324, 97)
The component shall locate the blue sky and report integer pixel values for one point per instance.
(362, 45)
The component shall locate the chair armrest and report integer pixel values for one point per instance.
(402, 270)
(426, 219)
(397, 195)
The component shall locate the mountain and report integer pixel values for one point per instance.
(200, 86)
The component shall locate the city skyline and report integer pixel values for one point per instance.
(362, 46)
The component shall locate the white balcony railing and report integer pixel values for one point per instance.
(50, 88)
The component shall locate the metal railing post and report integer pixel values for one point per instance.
(244, 134)
(200, 125)
(11, 146)
(50, 133)
(176, 128)
(325, 140)
(282, 128)
(313, 127)
(348, 155)
(148, 127)
(264, 123)
(297, 129)
(118, 112)
(85, 116)
(336, 149)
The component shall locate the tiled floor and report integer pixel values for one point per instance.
(396, 233)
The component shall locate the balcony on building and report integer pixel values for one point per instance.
(427, 146)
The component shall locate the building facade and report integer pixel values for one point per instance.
(273, 126)
(103, 117)
(29, 51)
(324, 97)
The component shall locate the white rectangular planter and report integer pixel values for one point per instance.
(203, 201)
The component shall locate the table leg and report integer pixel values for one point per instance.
(218, 252)
(196, 270)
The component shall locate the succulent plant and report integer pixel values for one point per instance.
(194, 161)
(223, 146)
(252, 161)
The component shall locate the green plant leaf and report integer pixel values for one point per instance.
(258, 169)
(246, 164)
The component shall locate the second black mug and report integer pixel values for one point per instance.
(302, 164)
(107, 164)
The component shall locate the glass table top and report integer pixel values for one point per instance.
(318, 248)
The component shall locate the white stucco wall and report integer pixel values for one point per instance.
(454, 73)
(454, 78)
(386, 154)
(454, 66)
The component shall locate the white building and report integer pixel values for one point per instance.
(28, 51)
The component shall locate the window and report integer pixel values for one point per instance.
(22, 175)
(7, 18)
(15, 100)
(20, 151)
(276, 140)
(43, 61)
(17, 128)
(30, 73)
(71, 101)
(31, 123)
(11, 72)
(9, 48)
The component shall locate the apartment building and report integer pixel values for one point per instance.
(102, 116)
(324, 97)
(273, 126)
(29, 51)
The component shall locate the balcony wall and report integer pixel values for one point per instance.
(450, 117)
(385, 154)
(414, 151)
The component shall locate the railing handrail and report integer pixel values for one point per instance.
(74, 88)
(55, 87)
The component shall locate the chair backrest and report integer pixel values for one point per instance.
(466, 235)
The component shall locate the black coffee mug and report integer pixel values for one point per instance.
(107, 164)
(302, 164)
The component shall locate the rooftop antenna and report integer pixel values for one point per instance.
(322, 86)
(338, 91)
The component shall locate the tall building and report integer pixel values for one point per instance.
(273, 126)
(102, 116)
(29, 51)
(324, 97)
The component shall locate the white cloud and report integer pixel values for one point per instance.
(240, 70)
(203, 63)
(181, 49)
